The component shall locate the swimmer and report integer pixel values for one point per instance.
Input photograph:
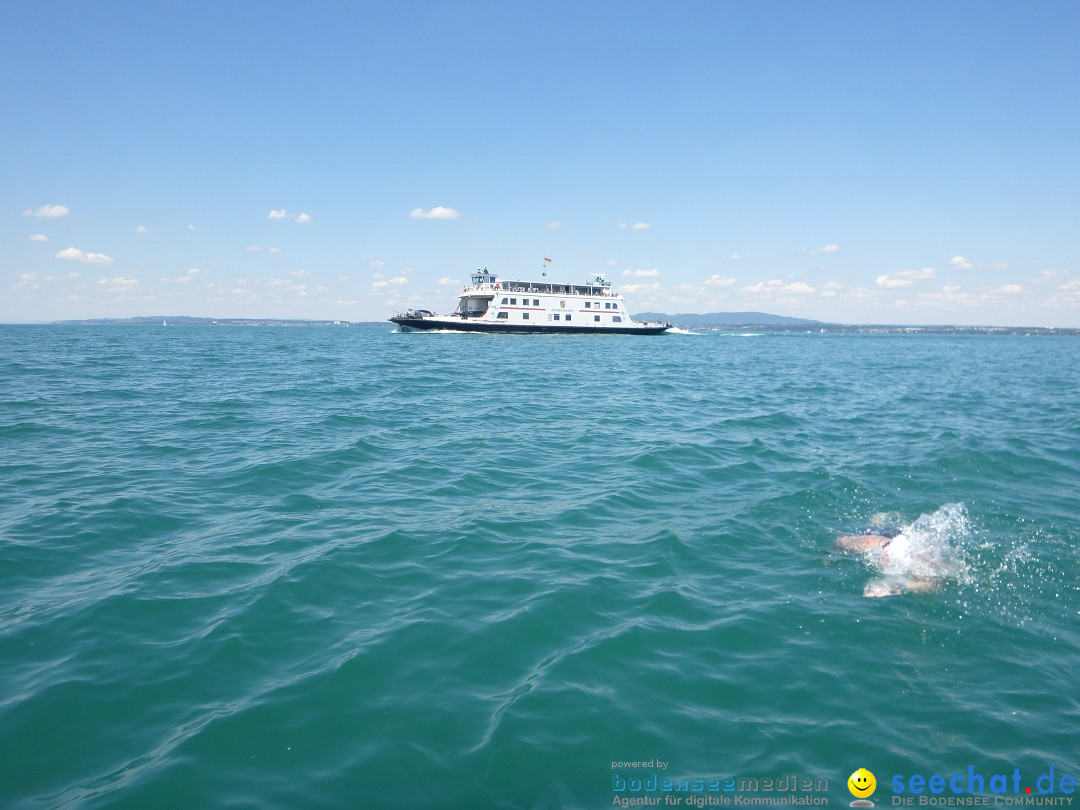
(893, 586)
(912, 558)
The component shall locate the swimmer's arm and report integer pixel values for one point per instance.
(861, 542)
(895, 587)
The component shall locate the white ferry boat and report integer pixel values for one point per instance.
(489, 305)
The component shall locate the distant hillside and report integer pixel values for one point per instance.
(727, 319)
(187, 320)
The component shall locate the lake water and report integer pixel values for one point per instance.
(352, 568)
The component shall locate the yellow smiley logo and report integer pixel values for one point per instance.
(861, 783)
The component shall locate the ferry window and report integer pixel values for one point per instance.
(524, 316)
(594, 317)
(536, 302)
(557, 316)
(587, 304)
(513, 302)
(607, 305)
(616, 319)
(505, 300)
(567, 316)
(502, 315)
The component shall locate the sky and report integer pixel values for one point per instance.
(850, 162)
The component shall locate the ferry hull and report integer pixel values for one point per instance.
(468, 325)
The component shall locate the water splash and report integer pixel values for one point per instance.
(921, 556)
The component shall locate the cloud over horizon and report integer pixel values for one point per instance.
(74, 254)
(48, 211)
(905, 278)
(438, 212)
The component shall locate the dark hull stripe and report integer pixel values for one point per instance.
(482, 326)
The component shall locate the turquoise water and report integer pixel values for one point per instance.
(322, 568)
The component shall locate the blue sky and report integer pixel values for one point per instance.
(857, 162)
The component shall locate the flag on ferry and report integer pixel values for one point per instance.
(547, 261)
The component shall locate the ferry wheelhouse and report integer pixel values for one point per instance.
(487, 304)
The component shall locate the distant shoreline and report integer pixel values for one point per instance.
(720, 321)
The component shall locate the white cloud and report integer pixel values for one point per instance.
(719, 281)
(48, 211)
(947, 297)
(377, 264)
(921, 273)
(1051, 276)
(1010, 289)
(826, 249)
(447, 282)
(831, 289)
(735, 256)
(301, 273)
(555, 224)
(764, 286)
(641, 273)
(960, 263)
(438, 212)
(641, 226)
(382, 283)
(890, 282)
(39, 237)
(906, 278)
(281, 213)
(273, 251)
(120, 284)
(142, 229)
(777, 286)
(253, 248)
(286, 285)
(185, 279)
(27, 281)
(633, 289)
(74, 254)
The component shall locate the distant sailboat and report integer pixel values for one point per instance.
(163, 322)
